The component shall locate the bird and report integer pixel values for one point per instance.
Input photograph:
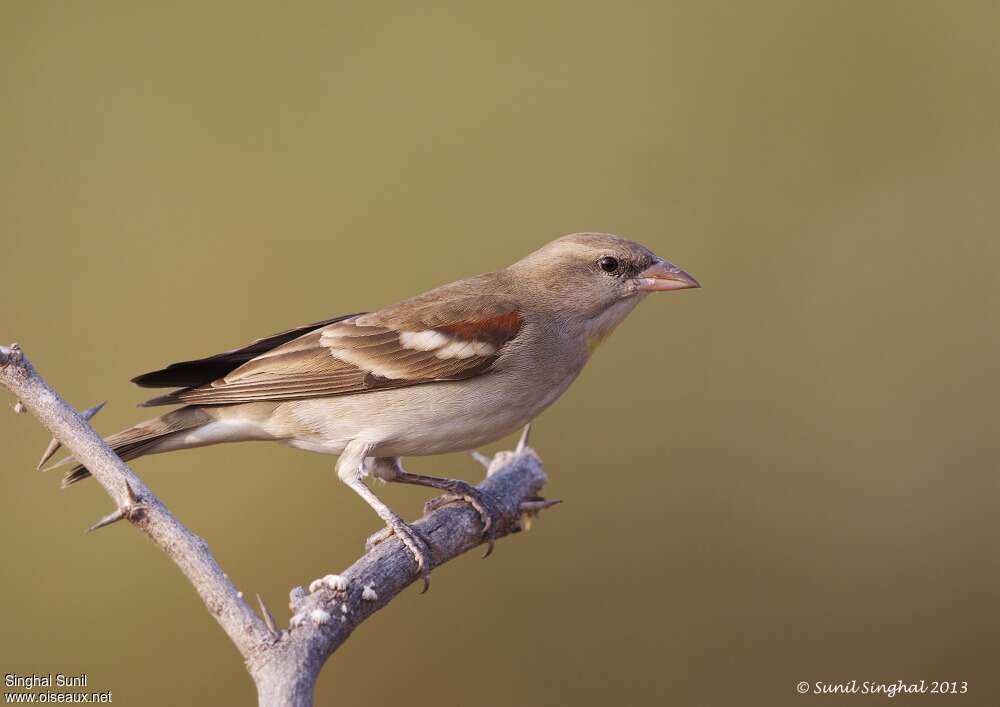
(448, 370)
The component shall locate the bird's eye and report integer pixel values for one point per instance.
(608, 264)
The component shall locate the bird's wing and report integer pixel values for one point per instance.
(190, 374)
(393, 348)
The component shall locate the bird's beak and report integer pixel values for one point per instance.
(664, 276)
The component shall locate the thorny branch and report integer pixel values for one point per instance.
(284, 663)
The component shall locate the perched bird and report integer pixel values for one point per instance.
(449, 370)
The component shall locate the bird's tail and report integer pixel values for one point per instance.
(146, 438)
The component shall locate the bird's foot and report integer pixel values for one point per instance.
(489, 512)
(414, 541)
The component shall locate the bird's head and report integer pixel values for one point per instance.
(597, 277)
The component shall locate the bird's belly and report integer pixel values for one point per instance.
(420, 420)
(455, 431)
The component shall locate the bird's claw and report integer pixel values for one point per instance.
(414, 541)
(490, 514)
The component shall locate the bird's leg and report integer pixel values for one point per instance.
(390, 469)
(351, 469)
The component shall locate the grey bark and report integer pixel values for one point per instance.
(284, 663)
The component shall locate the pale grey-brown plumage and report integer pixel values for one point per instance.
(456, 367)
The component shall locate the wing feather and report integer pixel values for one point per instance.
(364, 353)
(204, 370)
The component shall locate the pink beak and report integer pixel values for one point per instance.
(664, 276)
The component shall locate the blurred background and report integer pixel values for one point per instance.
(789, 475)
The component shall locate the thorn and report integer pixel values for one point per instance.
(268, 619)
(19, 408)
(133, 501)
(538, 505)
(55, 444)
(132, 510)
(91, 411)
(522, 443)
(48, 453)
(481, 458)
(110, 518)
(530, 510)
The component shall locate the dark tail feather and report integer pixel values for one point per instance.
(139, 440)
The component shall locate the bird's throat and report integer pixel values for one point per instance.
(595, 340)
(600, 327)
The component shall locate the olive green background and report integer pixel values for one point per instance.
(788, 475)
